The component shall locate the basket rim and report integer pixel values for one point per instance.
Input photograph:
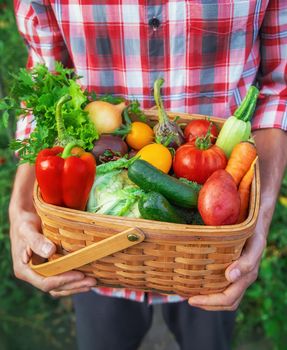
(189, 116)
(88, 217)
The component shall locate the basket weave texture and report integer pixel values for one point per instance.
(171, 259)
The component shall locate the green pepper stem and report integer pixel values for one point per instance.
(67, 150)
(162, 116)
(59, 117)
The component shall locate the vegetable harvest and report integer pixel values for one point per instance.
(186, 173)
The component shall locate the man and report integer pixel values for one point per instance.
(209, 53)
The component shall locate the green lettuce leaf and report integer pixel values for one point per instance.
(40, 90)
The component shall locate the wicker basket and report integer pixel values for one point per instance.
(142, 254)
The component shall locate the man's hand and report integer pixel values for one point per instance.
(242, 273)
(26, 238)
(271, 147)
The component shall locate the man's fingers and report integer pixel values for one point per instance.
(47, 284)
(231, 307)
(63, 284)
(248, 261)
(84, 285)
(87, 282)
(56, 282)
(27, 254)
(38, 243)
(228, 298)
(66, 293)
(218, 308)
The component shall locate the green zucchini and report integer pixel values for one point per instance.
(154, 206)
(149, 178)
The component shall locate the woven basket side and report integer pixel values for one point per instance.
(162, 268)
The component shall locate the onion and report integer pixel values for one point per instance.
(105, 116)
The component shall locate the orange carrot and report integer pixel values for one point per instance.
(241, 158)
(244, 192)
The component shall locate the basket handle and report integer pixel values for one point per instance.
(89, 253)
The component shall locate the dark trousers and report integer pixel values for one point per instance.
(105, 323)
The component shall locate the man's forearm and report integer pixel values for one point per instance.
(22, 195)
(272, 151)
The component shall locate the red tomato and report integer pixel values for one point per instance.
(197, 164)
(199, 128)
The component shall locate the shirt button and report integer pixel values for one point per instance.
(154, 23)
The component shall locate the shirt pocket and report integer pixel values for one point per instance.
(219, 17)
(217, 28)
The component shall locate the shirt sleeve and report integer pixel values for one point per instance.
(271, 111)
(39, 28)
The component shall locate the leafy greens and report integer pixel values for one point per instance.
(40, 90)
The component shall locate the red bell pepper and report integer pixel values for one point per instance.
(65, 176)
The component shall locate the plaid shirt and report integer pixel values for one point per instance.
(209, 53)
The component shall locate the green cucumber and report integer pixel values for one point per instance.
(154, 206)
(149, 178)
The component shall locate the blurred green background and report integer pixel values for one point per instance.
(30, 319)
